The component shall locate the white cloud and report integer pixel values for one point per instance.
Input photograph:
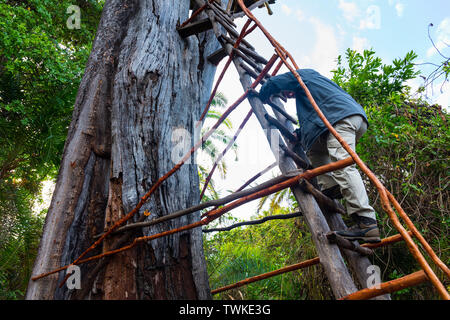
(341, 30)
(287, 10)
(372, 19)
(442, 40)
(400, 8)
(300, 15)
(350, 10)
(360, 44)
(326, 48)
(444, 99)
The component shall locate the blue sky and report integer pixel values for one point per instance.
(315, 33)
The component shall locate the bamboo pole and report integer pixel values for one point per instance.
(304, 264)
(263, 276)
(410, 280)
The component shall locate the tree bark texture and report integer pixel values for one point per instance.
(141, 82)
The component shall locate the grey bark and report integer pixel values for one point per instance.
(141, 82)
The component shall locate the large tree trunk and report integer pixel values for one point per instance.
(141, 82)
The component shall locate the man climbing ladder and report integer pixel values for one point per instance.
(350, 121)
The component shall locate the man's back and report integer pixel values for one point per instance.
(335, 103)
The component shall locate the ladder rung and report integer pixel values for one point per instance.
(283, 112)
(349, 245)
(247, 59)
(225, 12)
(410, 280)
(253, 54)
(217, 56)
(195, 28)
(222, 16)
(246, 51)
(297, 159)
(235, 34)
(250, 72)
(326, 204)
(284, 131)
(225, 24)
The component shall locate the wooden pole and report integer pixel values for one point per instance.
(300, 265)
(263, 276)
(410, 280)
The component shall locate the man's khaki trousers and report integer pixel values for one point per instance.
(327, 149)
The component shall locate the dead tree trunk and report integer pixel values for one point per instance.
(141, 82)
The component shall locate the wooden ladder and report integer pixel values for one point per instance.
(249, 65)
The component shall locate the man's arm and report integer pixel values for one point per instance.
(278, 84)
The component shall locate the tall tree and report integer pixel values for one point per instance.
(141, 81)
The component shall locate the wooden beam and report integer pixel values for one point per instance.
(217, 56)
(408, 281)
(284, 131)
(255, 222)
(195, 28)
(349, 245)
(223, 16)
(283, 112)
(326, 204)
(260, 277)
(245, 50)
(252, 73)
(301, 163)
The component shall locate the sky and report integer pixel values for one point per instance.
(316, 33)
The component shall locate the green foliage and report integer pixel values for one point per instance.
(41, 65)
(19, 242)
(249, 251)
(213, 147)
(406, 146)
(369, 81)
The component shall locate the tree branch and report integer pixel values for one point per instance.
(255, 222)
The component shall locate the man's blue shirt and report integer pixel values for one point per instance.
(335, 103)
